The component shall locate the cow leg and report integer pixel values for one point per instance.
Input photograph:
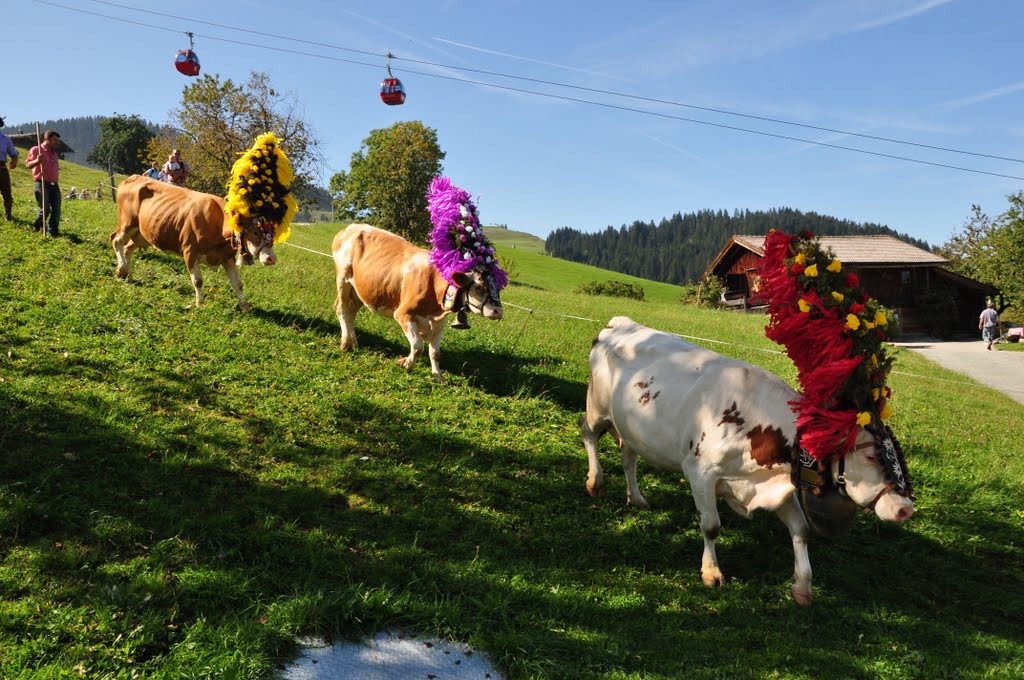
(793, 517)
(633, 495)
(197, 281)
(412, 334)
(591, 435)
(710, 527)
(434, 349)
(235, 277)
(346, 306)
(123, 252)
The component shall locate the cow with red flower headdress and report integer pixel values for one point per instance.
(741, 433)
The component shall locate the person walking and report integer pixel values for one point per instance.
(45, 166)
(988, 324)
(8, 159)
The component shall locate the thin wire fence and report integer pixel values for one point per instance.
(697, 339)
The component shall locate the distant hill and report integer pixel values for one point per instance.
(678, 249)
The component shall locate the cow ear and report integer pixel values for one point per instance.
(462, 279)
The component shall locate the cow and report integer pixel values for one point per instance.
(192, 224)
(390, 276)
(727, 425)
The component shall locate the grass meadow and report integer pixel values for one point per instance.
(183, 491)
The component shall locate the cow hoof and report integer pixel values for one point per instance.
(639, 502)
(802, 597)
(713, 578)
(595, 489)
(246, 307)
(122, 273)
(438, 377)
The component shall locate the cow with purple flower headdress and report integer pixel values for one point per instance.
(390, 276)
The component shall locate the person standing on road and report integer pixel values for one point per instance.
(988, 324)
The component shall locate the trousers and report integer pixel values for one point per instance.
(5, 188)
(53, 198)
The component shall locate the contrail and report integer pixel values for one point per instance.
(514, 56)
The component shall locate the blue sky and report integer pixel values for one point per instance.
(937, 73)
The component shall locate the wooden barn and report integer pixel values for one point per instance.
(912, 282)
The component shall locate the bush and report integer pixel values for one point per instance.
(612, 289)
(707, 293)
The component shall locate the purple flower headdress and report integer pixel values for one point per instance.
(460, 244)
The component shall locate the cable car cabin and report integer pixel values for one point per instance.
(391, 91)
(187, 63)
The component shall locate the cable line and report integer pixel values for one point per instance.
(578, 100)
(627, 95)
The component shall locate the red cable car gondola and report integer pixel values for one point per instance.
(392, 92)
(187, 61)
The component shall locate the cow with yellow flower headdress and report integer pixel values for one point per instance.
(207, 229)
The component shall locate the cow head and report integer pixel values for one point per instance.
(256, 241)
(875, 475)
(481, 293)
(872, 475)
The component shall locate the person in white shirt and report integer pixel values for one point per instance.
(988, 324)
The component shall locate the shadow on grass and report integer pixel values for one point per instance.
(497, 372)
(419, 525)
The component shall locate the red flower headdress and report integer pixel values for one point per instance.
(833, 333)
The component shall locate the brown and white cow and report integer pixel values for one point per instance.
(190, 223)
(726, 424)
(390, 276)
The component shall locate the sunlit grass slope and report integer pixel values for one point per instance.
(182, 491)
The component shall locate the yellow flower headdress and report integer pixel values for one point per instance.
(259, 187)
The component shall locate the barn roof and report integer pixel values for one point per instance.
(862, 251)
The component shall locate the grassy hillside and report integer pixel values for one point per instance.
(182, 491)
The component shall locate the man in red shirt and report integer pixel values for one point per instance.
(45, 165)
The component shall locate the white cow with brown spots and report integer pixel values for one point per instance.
(390, 276)
(725, 424)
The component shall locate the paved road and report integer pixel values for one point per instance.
(1003, 371)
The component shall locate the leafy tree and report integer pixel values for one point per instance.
(388, 179)
(970, 251)
(992, 250)
(123, 142)
(218, 120)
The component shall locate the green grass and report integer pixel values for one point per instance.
(182, 491)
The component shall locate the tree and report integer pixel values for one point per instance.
(1009, 245)
(123, 143)
(992, 251)
(218, 121)
(388, 179)
(970, 250)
